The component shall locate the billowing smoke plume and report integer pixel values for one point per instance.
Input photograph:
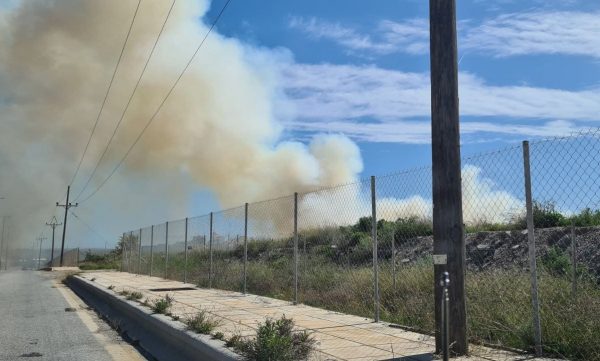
(219, 129)
(482, 202)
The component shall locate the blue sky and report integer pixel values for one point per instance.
(528, 69)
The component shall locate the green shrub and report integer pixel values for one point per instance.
(411, 227)
(162, 305)
(586, 218)
(134, 296)
(202, 323)
(235, 342)
(276, 340)
(556, 262)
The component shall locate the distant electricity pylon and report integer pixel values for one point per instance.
(53, 223)
(41, 239)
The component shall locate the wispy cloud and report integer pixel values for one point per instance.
(534, 32)
(572, 33)
(388, 37)
(328, 91)
(338, 98)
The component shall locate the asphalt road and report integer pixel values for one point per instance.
(38, 322)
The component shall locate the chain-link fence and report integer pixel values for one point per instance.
(366, 248)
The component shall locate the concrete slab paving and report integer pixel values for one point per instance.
(338, 336)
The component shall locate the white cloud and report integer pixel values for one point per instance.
(411, 36)
(328, 91)
(572, 33)
(337, 98)
(533, 32)
(419, 132)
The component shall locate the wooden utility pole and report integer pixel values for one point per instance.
(448, 234)
(67, 205)
(53, 223)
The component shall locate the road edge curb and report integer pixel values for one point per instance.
(156, 334)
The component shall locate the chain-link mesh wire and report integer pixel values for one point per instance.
(564, 176)
(198, 267)
(270, 269)
(159, 250)
(176, 250)
(144, 261)
(498, 288)
(336, 249)
(228, 249)
(405, 248)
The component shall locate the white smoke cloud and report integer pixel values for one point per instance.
(483, 202)
(219, 130)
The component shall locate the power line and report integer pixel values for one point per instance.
(160, 106)
(128, 103)
(106, 95)
(88, 226)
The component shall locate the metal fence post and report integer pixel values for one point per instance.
(375, 255)
(166, 249)
(537, 328)
(295, 247)
(151, 248)
(394, 262)
(123, 253)
(140, 253)
(245, 247)
(210, 270)
(130, 254)
(186, 251)
(574, 259)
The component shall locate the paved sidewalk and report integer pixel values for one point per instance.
(339, 336)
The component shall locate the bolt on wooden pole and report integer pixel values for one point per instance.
(448, 234)
(535, 303)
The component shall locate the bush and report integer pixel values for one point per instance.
(276, 340)
(407, 228)
(556, 262)
(202, 323)
(135, 296)
(586, 218)
(162, 305)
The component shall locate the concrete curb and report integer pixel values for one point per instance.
(158, 335)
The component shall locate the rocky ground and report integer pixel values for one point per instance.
(509, 249)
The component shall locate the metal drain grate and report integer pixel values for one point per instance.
(172, 289)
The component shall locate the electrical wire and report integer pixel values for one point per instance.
(106, 95)
(159, 107)
(88, 226)
(127, 105)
